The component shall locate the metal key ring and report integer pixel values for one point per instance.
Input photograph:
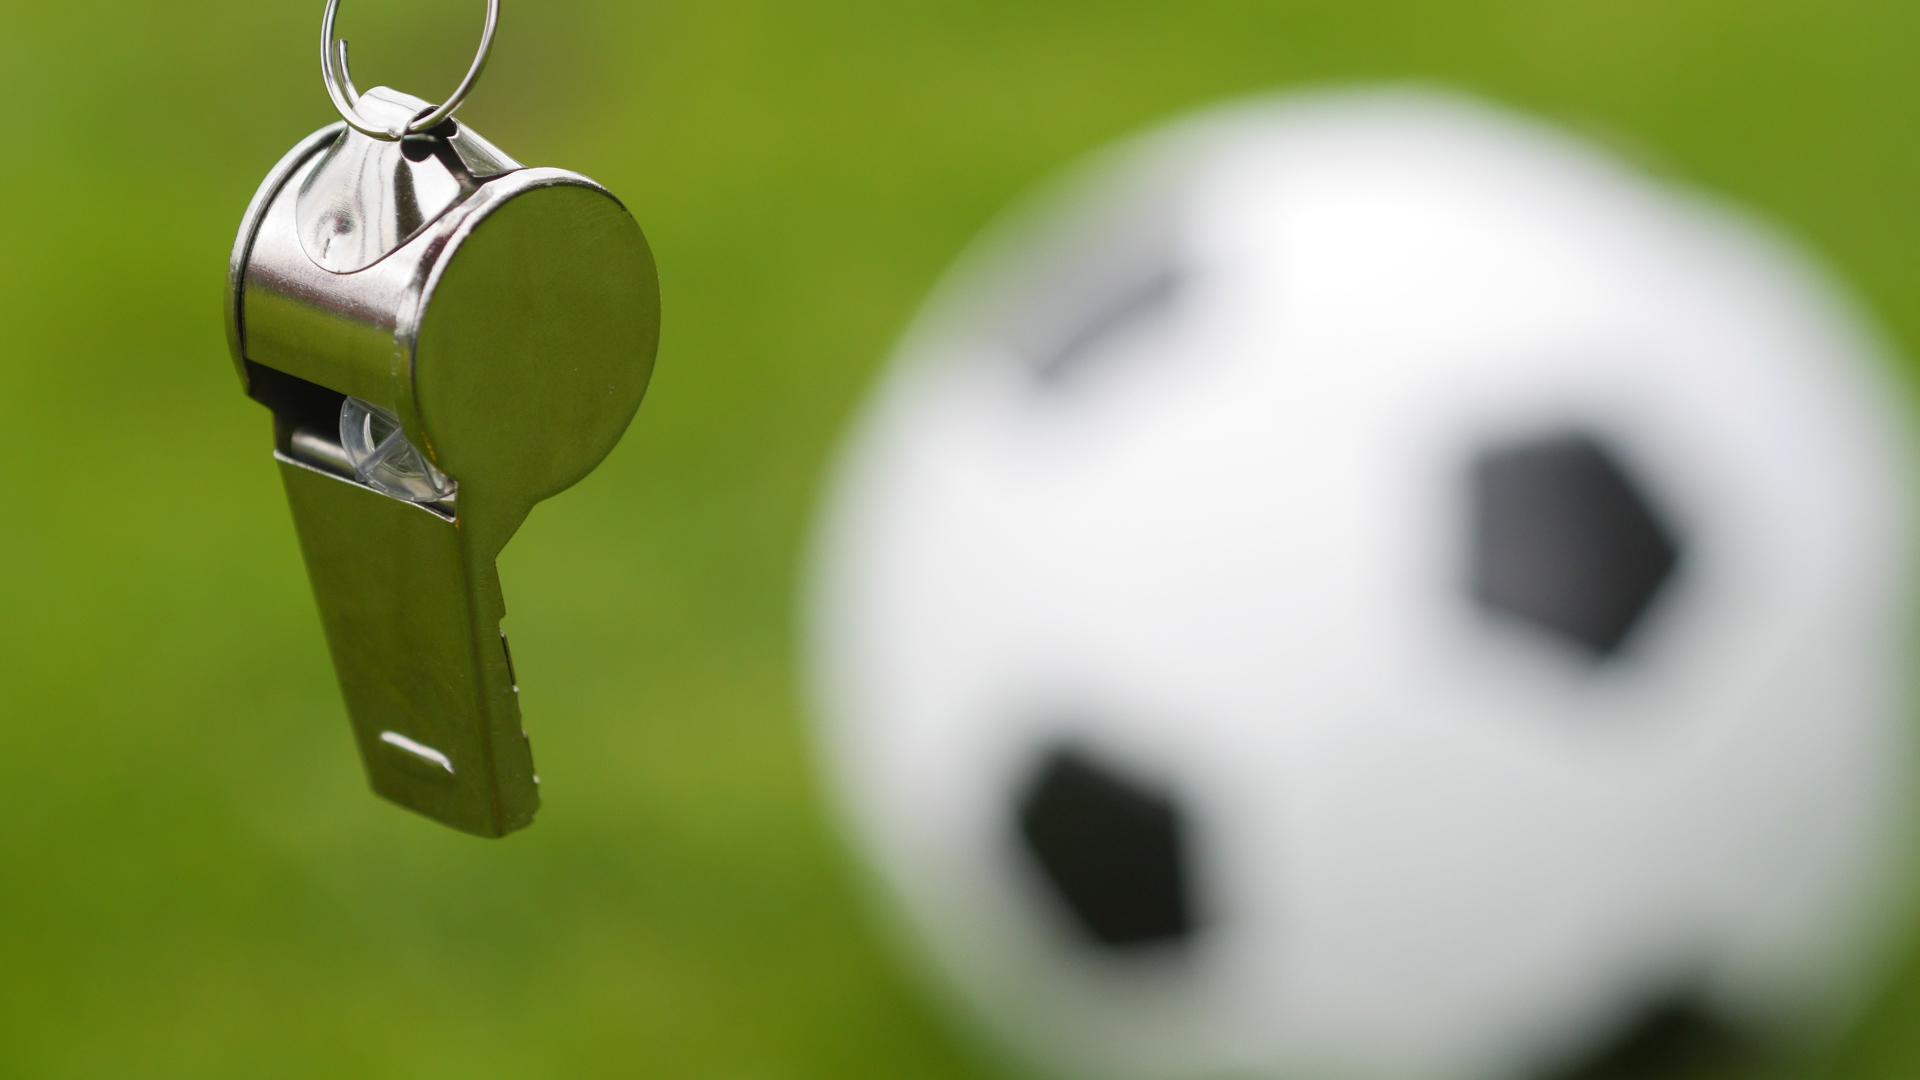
(334, 70)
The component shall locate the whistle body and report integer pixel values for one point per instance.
(445, 338)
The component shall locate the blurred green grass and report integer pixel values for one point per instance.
(193, 881)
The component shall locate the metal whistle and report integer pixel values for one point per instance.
(445, 338)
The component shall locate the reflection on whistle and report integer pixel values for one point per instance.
(424, 753)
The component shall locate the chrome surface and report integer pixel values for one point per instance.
(507, 318)
(367, 197)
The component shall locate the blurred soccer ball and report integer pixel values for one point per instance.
(1365, 586)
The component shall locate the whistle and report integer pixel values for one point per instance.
(444, 338)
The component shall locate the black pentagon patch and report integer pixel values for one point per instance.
(1565, 540)
(1674, 1040)
(1111, 850)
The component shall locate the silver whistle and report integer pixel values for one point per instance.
(444, 338)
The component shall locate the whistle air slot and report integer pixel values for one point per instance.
(306, 420)
(307, 431)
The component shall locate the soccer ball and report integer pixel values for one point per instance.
(1364, 585)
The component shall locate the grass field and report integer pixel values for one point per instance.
(193, 881)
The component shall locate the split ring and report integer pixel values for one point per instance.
(338, 77)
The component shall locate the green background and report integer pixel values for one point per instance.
(193, 880)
